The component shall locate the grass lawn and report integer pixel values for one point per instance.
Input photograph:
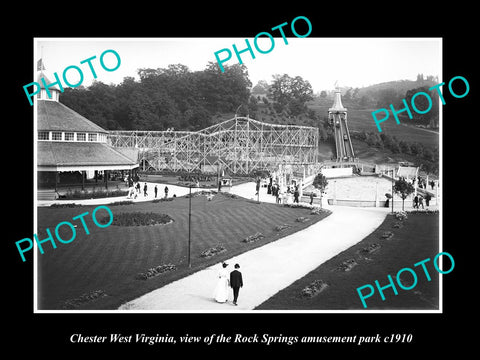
(362, 120)
(108, 260)
(414, 241)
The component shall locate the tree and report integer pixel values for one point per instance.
(422, 103)
(261, 88)
(403, 188)
(320, 183)
(290, 94)
(164, 98)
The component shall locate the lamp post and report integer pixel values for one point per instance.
(393, 170)
(189, 225)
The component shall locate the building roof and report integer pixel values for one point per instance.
(40, 75)
(54, 116)
(58, 155)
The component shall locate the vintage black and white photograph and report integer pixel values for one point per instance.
(274, 174)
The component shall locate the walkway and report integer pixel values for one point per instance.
(267, 269)
(172, 189)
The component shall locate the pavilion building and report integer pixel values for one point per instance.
(72, 149)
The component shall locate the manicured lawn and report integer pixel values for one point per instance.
(109, 259)
(414, 241)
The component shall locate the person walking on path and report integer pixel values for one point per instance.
(155, 191)
(296, 194)
(221, 290)
(166, 192)
(420, 202)
(415, 202)
(427, 199)
(236, 282)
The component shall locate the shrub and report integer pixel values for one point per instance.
(282, 227)
(155, 271)
(94, 193)
(162, 199)
(213, 251)
(401, 215)
(64, 205)
(314, 288)
(252, 238)
(369, 249)
(124, 202)
(84, 298)
(387, 235)
(347, 265)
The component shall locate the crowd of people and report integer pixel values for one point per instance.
(282, 194)
(418, 199)
(134, 190)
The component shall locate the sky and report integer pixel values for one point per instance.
(352, 62)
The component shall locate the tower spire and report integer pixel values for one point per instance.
(337, 101)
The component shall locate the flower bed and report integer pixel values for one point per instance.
(155, 271)
(347, 265)
(397, 225)
(206, 193)
(318, 211)
(91, 193)
(252, 238)
(123, 202)
(82, 299)
(213, 251)
(138, 219)
(64, 205)
(162, 199)
(424, 211)
(314, 288)
(401, 215)
(282, 227)
(300, 206)
(369, 249)
(387, 235)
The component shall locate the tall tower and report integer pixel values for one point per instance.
(337, 116)
(337, 103)
(53, 92)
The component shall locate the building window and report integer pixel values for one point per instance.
(92, 137)
(81, 137)
(43, 135)
(69, 136)
(56, 135)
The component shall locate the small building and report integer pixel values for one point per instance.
(71, 148)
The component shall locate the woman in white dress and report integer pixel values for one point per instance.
(221, 290)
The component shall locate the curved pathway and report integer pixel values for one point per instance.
(267, 269)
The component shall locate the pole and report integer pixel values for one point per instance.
(189, 226)
(393, 170)
(258, 190)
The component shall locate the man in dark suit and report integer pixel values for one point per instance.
(236, 282)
